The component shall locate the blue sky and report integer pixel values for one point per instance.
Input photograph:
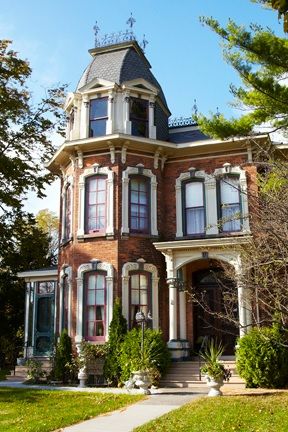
(186, 57)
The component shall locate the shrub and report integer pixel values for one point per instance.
(63, 358)
(155, 358)
(34, 371)
(262, 358)
(117, 332)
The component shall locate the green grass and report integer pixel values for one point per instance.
(32, 410)
(254, 413)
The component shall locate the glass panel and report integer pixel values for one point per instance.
(142, 198)
(143, 281)
(100, 297)
(91, 328)
(92, 198)
(92, 212)
(138, 109)
(195, 221)
(47, 287)
(91, 297)
(143, 297)
(100, 313)
(92, 184)
(229, 190)
(43, 344)
(142, 211)
(44, 313)
(100, 281)
(101, 197)
(143, 224)
(194, 194)
(139, 128)
(231, 218)
(134, 281)
(101, 210)
(99, 329)
(101, 184)
(91, 281)
(97, 128)
(134, 297)
(134, 196)
(98, 108)
(91, 313)
(134, 210)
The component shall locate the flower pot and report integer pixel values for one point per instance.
(214, 385)
(142, 380)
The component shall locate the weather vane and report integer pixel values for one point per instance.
(195, 108)
(131, 21)
(96, 31)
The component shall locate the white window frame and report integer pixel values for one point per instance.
(210, 203)
(241, 173)
(93, 265)
(141, 266)
(88, 172)
(139, 170)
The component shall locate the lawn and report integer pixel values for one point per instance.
(32, 410)
(254, 413)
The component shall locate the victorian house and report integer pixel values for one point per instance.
(147, 207)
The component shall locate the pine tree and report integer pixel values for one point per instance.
(117, 332)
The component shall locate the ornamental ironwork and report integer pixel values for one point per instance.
(182, 121)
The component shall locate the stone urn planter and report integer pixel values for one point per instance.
(142, 380)
(214, 385)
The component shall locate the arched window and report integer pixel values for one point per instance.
(194, 208)
(140, 295)
(95, 306)
(230, 207)
(139, 204)
(68, 212)
(95, 200)
(65, 303)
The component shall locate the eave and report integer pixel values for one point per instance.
(219, 242)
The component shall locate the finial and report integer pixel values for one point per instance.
(96, 31)
(144, 43)
(131, 21)
(195, 108)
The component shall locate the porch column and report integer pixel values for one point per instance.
(172, 309)
(245, 312)
(182, 315)
(26, 324)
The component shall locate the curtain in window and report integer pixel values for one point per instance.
(95, 306)
(230, 204)
(194, 208)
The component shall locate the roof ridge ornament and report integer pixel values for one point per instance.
(131, 21)
(181, 121)
(144, 43)
(96, 29)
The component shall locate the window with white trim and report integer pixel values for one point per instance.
(140, 295)
(98, 116)
(194, 208)
(230, 204)
(95, 306)
(95, 202)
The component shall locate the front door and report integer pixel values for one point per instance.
(210, 288)
(44, 318)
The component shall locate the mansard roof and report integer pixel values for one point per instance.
(120, 63)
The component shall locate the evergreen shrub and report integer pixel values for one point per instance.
(262, 358)
(155, 359)
(63, 358)
(117, 332)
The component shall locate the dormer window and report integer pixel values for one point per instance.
(139, 117)
(98, 116)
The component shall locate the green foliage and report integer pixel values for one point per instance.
(213, 367)
(63, 358)
(155, 358)
(48, 222)
(35, 372)
(262, 358)
(117, 332)
(32, 410)
(260, 58)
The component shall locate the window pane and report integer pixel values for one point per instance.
(143, 281)
(92, 198)
(231, 218)
(101, 195)
(143, 297)
(194, 194)
(138, 109)
(142, 211)
(134, 297)
(98, 108)
(142, 198)
(100, 297)
(97, 128)
(134, 281)
(229, 190)
(134, 196)
(91, 282)
(91, 313)
(91, 329)
(91, 297)
(100, 281)
(99, 329)
(44, 309)
(195, 221)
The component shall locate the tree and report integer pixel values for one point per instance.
(281, 6)
(261, 60)
(48, 222)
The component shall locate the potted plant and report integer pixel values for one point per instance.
(213, 370)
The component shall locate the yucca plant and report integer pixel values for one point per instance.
(213, 368)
